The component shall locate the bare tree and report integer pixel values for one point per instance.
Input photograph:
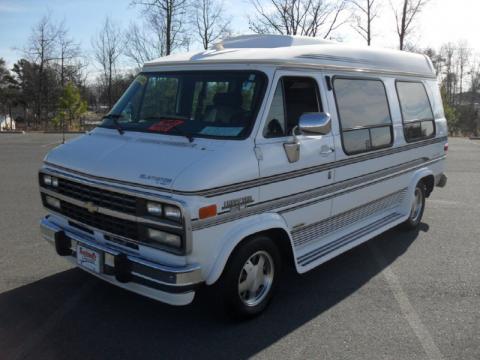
(67, 51)
(474, 76)
(40, 50)
(107, 50)
(436, 58)
(405, 18)
(463, 59)
(298, 17)
(448, 53)
(210, 21)
(171, 16)
(363, 22)
(144, 43)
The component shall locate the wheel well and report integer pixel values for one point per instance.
(429, 182)
(280, 238)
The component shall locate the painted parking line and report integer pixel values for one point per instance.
(53, 143)
(426, 340)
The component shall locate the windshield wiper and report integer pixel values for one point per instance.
(115, 118)
(183, 133)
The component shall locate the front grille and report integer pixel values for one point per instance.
(102, 198)
(115, 227)
(103, 222)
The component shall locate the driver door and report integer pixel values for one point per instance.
(292, 95)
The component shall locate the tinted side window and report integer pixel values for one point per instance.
(418, 120)
(293, 97)
(275, 126)
(364, 114)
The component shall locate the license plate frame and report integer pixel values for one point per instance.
(89, 259)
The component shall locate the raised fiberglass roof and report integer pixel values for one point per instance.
(302, 51)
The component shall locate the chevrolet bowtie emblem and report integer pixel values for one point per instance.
(91, 207)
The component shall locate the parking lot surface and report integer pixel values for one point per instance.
(413, 295)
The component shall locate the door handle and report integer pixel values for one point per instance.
(326, 150)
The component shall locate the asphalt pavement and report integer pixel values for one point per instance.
(402, 295)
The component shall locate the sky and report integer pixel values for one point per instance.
(439, 23)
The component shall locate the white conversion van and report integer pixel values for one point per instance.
(218, 167)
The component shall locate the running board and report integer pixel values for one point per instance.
(345, 240)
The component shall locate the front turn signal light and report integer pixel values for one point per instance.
(207, 211)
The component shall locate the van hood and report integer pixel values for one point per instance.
(142, 158)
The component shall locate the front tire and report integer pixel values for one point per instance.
(251, 276)
(417, 208)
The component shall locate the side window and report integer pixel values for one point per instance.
(275, 126)
(293, 97)
(418, 120)
(364, 114)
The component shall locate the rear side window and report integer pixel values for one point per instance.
(418, 120)
(364, 114)
(293, 97)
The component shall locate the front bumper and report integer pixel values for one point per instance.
(172, 285)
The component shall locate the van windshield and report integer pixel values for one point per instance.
(215, 104)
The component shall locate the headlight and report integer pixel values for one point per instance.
(154, 208)
(50, 181)
(164, 238)
(47, 180)
(52, 202)
(172, 213)
(169, 212)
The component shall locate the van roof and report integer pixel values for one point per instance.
(300, 51)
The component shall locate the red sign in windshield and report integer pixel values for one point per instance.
(165, 125)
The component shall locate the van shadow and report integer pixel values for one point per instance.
(72, 315)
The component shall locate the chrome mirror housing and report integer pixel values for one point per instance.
(315, 123)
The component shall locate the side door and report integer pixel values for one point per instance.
(291, 186)
(366, 141)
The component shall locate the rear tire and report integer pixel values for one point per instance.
(417, 208)
(250, 277)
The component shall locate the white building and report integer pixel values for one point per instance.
(6, 123)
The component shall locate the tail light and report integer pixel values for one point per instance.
(445, 147)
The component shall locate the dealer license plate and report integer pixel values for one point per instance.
(88, 258)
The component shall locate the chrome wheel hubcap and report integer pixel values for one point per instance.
(256, 278)
(416, 205)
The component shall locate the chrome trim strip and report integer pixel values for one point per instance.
(322, 193)
(107, 183)
(183, 276)
(107, 233)
(226, 189)
(92, 228)
(377, 180)
(314, 231)
(316, 254)
(186, 218)
(109, 212)
(314, 169)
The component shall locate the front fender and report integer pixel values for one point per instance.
(240, 231)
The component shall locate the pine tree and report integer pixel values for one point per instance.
(71, 106)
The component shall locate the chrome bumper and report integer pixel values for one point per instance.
(173, 285)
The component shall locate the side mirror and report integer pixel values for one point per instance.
(315, 123)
